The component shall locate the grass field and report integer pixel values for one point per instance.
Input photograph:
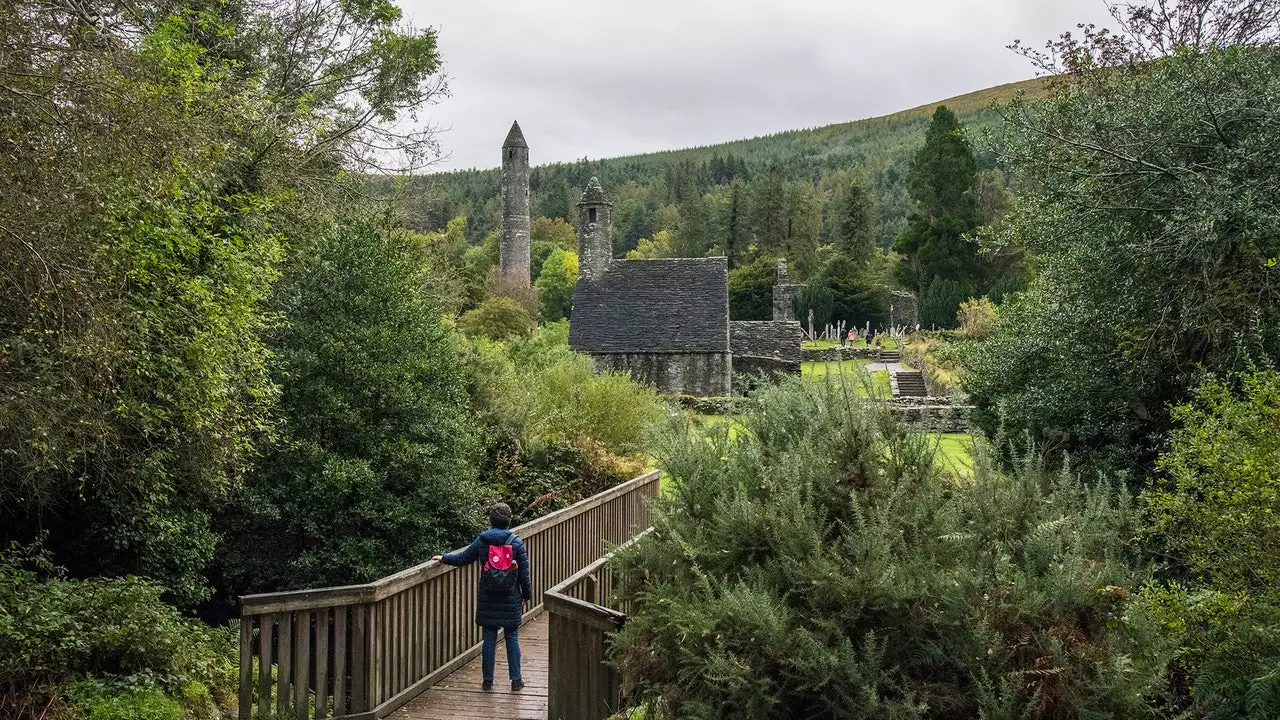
(889, 344)
(955, 452)
(866, 384)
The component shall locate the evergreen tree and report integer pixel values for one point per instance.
(941, 183)
(373, 470)
(854, 222)
(769, 211)
(734, 228)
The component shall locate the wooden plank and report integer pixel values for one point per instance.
(340, 661)
(360, 658)
(302, 665)
(266, 636)
(376, 665)
(322, 663)
(284, 670)
(246, 667)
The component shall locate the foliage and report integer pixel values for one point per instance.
(821, 566)
(1216, 508)
(548, 235)
(555, 284)
(1150, 208)
(555, 431)
(374, 469)
(942, 178)
(977, 318)
(497, 318)
(133, 373)
(854, 224)
(112, 645)
(859, 291)
(819, 300)
(660, 246)
(941, 301)
(751, 290)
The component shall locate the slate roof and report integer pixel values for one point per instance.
(673, 305)
(515, 138)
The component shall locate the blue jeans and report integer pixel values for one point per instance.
(489, 650)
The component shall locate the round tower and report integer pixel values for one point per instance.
(513, 251)
(595, 232)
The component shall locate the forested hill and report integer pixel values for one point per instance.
(762, 184)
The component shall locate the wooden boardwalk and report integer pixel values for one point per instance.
(459, 697)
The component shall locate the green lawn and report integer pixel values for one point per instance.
(955, 452)
(866, 384)
(889, 343)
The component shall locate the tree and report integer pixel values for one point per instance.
(374, 468)
(497, 318)
(854, 222)
(1152, 215)
(555, 284)
(751, 290)
(659, 247)
(735, 238)
(546, 235)
(945, 211)
(858, 294)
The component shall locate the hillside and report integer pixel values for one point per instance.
(688, 190)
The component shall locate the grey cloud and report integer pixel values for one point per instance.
(599, 79)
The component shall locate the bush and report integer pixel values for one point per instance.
(1216, 508)
(554, 430)
(497, 318)
(121, 647)
(555, 284)
(977, 318)
(819, 566)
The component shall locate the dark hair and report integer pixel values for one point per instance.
(500, 516)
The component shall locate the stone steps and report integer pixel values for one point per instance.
(890, 356)
(909, 384)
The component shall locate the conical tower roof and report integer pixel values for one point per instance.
(594, 194)
(515, 138)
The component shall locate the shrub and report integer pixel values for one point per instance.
(497, 318)
(113, 639)
(977, 318)
(1216, 509)
(819, 566)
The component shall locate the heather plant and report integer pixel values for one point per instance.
(819, 564)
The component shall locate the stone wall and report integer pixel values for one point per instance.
(903, 310)
(698, 374)
(784, 302)
(838, 353)
(935, 418)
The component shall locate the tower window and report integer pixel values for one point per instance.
(511, 154)
(591, 215)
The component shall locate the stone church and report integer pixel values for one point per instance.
(665, 322)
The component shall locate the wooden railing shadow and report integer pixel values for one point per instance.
(362, 651)
(583, 613)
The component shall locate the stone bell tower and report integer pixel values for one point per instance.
(595, 232)
(513, 251)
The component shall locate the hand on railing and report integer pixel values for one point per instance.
(437, 557)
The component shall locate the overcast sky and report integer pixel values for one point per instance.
(617, 77)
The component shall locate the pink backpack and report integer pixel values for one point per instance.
(499, 572)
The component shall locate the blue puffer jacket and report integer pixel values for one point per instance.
(497, 609)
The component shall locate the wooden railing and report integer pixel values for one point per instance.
(583, 611)
(361, 651)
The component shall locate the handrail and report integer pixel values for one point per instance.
(581, 684)
(383, 587)
(361, 651)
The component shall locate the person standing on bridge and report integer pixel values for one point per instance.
(504, 586)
